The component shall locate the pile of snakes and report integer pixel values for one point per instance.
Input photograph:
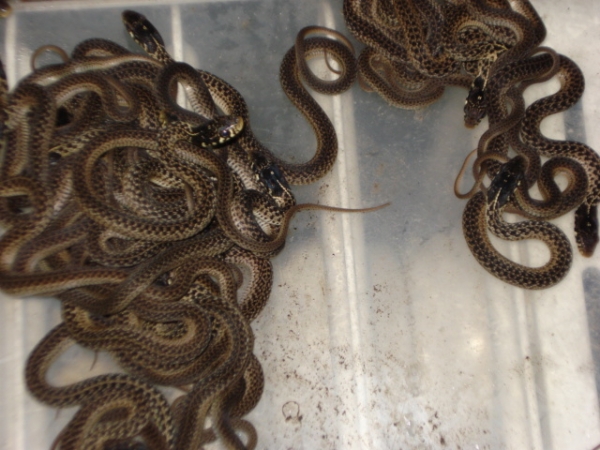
(143, 218)
(417, 47)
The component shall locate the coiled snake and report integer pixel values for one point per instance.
(136, 213)
(416, 48)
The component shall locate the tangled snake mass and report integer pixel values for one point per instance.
(145, 218)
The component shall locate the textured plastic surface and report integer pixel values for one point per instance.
(382, 331)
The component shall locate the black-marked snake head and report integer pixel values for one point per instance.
(476, 103)
(270, 174)
(275, 181)
(506, 181)
(142, 31)
(586, 229)
(218, 131)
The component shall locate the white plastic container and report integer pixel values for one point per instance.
(382, 331)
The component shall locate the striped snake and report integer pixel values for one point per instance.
(224, 206)
(137, 214)
(579, 162)
(417, 47)
(482, 214)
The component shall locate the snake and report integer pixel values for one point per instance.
(572, 86)
(408, 25)
(146, 35)
(101, 212)
(416, 47)
(576, 160)
(447, 43)
(579, 162)
(150, 403)
(508, 86)
(176, 301)
(482, 214)
(530, 32)
(389, 80)
(136, 222)
(57, 279)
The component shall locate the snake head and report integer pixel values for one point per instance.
(271, 176)
(274, 180)
(218, 131)
(586, 229)
(142, 31)
(506, 181)
(476, 104)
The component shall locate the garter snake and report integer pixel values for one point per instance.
(130, 226)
